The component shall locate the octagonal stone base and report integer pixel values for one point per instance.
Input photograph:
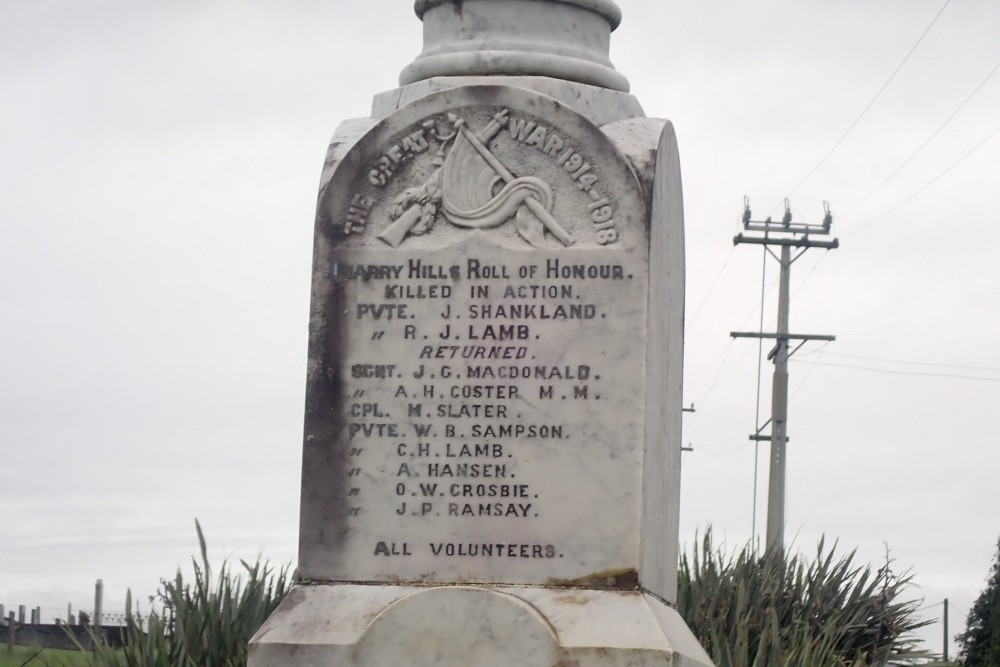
(348, 625)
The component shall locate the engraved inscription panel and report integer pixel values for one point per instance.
(476, 380)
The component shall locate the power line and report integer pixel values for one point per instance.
(727, 348)
(724, 452)
(688, 324)
(754, 311)
(760, 341)
(812, 367)
(908, 363)
(928, 184)
(702, 398)
(718, 376)
(923, 145)
(887, 371)
(872, 102)
(808, 275)
(756, 417)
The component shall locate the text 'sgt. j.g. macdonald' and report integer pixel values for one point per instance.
(491, 452)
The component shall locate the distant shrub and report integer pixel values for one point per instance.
(980, 642)
(774, 609)
(200, 623)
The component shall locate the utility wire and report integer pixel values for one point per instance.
(702, 399)
(690, 323)
(927, 184)
(872, 102)
(808, 276)
(812, 367)
(887, 371)
(923, 145)
(718, 376)
(756, 420)
(722, 452)
(760, 341)
(727, 347)
(723, 372)
(909, 363)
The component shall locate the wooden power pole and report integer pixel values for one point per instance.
(787, 235)
(946, 629)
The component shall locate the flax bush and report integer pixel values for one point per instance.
(777, 609)
(748, 609)
(201, 622)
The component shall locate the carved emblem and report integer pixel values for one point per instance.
(471, 188)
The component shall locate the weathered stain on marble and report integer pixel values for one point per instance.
(623, 579)
(573, 599)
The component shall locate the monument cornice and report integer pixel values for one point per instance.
(561, 39)
(606, 8)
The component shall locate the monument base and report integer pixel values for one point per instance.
(349, 625)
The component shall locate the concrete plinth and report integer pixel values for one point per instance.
(359, 625)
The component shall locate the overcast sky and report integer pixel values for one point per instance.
(158, 171)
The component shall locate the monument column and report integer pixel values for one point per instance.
(491, 451)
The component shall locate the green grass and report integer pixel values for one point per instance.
(49, 657)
